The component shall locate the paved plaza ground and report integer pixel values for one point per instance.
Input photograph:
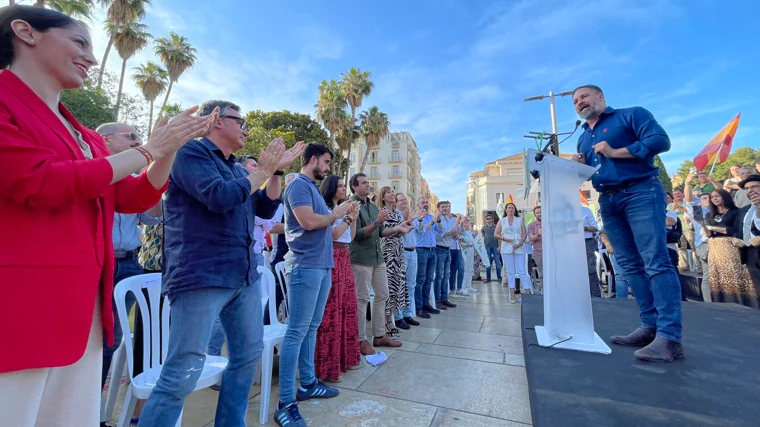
(463, 367)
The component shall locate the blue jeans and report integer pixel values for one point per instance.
(493, 256)
(442, 274)
(426, 263)
(457, 270)
(410, 261)
(124, 268)
(621, 283)
(634, 219)
(217, 339)
(309, 288)
(193, 313)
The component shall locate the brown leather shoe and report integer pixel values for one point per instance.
(385, 342)
(448, 304)
(638, 338)
(439, 305)
(366, 349)
(660, 350)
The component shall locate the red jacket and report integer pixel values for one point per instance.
(57, 214)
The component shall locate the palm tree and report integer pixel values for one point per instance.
(178, 55)
(152, 81)
(120, 12)
(130, 39)
(357, 85)
(331, 106)
(78, 9)
(375, 127)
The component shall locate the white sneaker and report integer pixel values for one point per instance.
(471, 289)
(464, 292)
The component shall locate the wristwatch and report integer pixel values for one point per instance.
(376, 224)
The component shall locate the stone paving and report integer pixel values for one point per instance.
(463, 367)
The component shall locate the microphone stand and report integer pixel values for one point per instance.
(546, 150)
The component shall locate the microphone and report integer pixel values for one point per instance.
(546, 147)
(540, 155)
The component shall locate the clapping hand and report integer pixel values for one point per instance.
(291, 155)
(344, 208)
(169, 136)
(270, 157)
(383, 215)
(404, 228)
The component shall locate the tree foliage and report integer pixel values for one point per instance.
(664, 177)
(92, 106)
(263, 127)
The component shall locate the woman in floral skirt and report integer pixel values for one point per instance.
(337, 348)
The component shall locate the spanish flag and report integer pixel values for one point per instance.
(510, 200)
(719, 146)
(584, 200)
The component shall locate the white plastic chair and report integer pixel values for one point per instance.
(282, 277)
(155, 342)
(117, 370)
(605, 270)
(274, 333)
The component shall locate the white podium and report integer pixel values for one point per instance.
(568, 320)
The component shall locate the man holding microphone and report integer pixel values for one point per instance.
(624, 143)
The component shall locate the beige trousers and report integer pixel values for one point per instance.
(377, 278)
(56, 397)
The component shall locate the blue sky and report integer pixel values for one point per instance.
(454, 73)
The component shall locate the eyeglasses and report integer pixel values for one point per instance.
(240, 120)
(131, 135)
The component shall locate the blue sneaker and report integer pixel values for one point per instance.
(289, 416)
(316, 391)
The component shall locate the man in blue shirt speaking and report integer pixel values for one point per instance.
(210, 264)
(632, 200)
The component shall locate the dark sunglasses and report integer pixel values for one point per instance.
(240, 120)
(131, 135)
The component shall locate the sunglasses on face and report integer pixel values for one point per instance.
(131, 135)
(240, 120)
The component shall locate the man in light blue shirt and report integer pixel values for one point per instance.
(427, 229)
(119, 137)
(409, 240)
(443, 243)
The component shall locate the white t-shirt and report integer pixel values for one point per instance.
(346, 236)
(513, 232)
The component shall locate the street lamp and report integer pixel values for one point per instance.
(553, 106)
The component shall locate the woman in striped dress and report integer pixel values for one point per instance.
(393, 253)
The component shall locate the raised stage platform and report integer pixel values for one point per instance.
(716, 384)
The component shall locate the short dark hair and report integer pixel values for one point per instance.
(39, 18)
(314, 149)
(246, 157)
(595, 88)
(354, 181)
(441, 203)
(208, 107)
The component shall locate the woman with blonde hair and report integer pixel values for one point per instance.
(393, 254)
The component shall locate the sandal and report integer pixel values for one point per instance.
(391, 331)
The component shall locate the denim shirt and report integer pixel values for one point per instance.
(209, 219)
(634, 128)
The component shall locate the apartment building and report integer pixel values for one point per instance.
(395, 163)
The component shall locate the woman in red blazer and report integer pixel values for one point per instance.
(59, 189)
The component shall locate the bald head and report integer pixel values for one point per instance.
(119, 137)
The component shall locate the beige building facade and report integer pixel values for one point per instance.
(394, 163)
(498, 180)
